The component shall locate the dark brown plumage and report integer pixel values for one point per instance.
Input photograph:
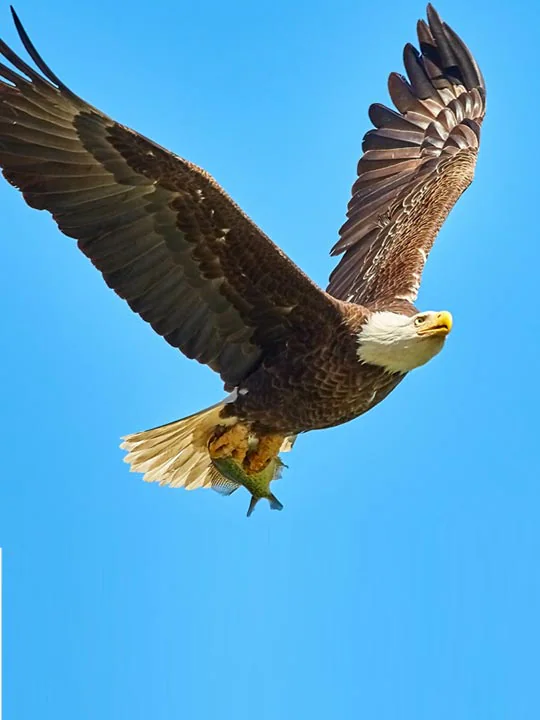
(416, 164)
(170, 241)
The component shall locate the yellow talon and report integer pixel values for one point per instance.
(230, 442)
(267, 449)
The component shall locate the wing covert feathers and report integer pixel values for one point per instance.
(416, 163)
(163, 233)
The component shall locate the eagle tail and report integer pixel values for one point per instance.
(175, 454)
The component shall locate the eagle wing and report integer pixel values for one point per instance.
(416, 164)
(162, 232)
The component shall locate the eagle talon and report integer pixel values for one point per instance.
(267, 449)
(231, 442)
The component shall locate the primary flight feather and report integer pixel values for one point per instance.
(174, 245)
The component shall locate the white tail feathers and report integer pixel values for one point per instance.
(176, 454)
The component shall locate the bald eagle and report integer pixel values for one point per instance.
(170, 241)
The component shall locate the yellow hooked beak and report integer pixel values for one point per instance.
(436, 324)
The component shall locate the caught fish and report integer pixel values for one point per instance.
(229, 475)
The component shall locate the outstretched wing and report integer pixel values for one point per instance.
(416, 164)
(163, 233)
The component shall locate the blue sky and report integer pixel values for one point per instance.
(401, 580)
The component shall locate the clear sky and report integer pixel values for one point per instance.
(401, 580)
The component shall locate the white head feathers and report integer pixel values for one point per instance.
(399, 343)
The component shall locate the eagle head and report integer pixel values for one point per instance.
(400, 343)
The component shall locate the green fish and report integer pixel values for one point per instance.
(229, 476)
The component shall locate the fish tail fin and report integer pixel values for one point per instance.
(254, 500)
(272, 499)
(175, 454)
(274, 502)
